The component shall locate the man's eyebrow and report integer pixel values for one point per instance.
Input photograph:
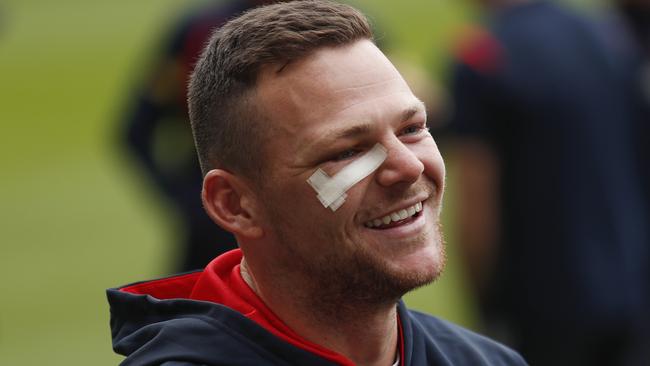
(347, 133)
(413, 110)
(365, 128)
(350, 132)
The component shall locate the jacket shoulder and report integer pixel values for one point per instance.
(448, 343)
(181, 332)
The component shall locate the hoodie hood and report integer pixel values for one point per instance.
(207, 317)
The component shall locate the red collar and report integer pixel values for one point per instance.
(221, 282)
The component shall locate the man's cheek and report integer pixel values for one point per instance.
(331, 191)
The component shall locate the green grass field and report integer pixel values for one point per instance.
(76, 219)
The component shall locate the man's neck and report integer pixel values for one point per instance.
(367, 335)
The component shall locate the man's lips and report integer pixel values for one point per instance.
(395, 218)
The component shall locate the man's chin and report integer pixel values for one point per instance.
(418, 276)
(420, 267)
(389, 281)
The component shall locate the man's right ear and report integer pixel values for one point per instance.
(229, 202)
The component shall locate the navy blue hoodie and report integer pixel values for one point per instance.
(212, 317)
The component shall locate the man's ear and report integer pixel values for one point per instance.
(230, 203)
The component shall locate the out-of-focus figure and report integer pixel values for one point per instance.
(158, 133)
(554, 218)
(627, 33)
(632, 18)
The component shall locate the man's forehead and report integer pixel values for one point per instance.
(335, 92)
(327, 75)
(336, 62)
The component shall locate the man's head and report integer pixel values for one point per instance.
(324, 109)
(228, 127)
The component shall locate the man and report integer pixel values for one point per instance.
(317, 157)
(553, 207)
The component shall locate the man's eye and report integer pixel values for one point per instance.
(347, 154)
(413, 130)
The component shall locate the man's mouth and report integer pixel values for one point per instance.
(395, 218)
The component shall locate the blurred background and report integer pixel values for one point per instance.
(79, 215)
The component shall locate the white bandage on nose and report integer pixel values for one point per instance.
(331, 190)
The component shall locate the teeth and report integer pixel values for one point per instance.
(395, 216)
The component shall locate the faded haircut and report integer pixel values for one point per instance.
(227, 125)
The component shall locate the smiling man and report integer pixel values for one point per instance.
(317, 158)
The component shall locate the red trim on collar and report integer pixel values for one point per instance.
(177, 287)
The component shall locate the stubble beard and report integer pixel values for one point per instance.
(339, 286)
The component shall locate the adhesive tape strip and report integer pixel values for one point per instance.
(331, 190)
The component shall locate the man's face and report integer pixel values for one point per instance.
(325, 111)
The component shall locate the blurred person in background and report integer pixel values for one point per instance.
(627, 33)
(633, 21)
(157, 132)
(553, 215)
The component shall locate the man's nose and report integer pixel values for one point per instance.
(401, 165)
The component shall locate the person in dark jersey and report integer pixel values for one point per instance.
(626, 31)
(553, 209)
(157, 132)
(317, 157)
